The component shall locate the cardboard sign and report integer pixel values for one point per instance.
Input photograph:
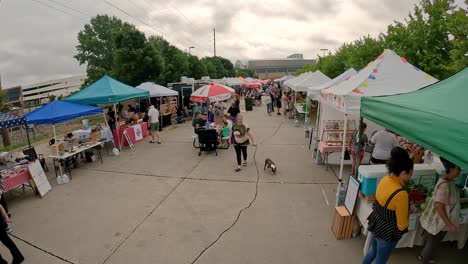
(39, 178)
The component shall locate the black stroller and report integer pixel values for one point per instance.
(207, 140)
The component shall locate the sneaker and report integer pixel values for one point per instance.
(431, 261)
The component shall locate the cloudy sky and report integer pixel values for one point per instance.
(38, 41)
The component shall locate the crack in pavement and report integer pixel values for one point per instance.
(243, 209)
(207, 179)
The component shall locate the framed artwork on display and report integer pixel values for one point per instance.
(332, 125)
(333, 136)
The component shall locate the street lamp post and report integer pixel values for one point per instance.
(190, 49)
(324, 50)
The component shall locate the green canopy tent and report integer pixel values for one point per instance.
(107, 91)
(435, 117)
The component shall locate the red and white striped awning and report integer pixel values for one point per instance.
(213, 91)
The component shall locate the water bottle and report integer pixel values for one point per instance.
(207, 125)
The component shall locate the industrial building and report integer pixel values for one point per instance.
(37, 94)
(277, 68)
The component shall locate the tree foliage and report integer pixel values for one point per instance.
(433, 38)
(109, 46)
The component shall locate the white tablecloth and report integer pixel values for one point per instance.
(82, 134)
(410, 239)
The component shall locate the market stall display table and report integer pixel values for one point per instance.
(18, 179)
(300, 113)
(83, 134)
(414, 236)
(324, 151)
(136, 133)
(76, 151)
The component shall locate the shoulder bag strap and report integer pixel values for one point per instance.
(393, 195)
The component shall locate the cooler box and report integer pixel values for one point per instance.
(369, 176)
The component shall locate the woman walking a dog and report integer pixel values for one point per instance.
(242, 137)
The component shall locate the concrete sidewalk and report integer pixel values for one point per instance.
(165, 204)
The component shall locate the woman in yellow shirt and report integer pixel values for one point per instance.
(389, 218)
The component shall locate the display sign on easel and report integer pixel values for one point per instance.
(351, 194)
(39, 178)
(127, 138)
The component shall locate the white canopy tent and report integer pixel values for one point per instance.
(284, 78)
(297, 79)
(157, 90)
(313, 92)
(389, 74)
(313, 79)
(231, 81)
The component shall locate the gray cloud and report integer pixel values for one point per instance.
(40, 43)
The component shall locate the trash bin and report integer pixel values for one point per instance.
(248, 104)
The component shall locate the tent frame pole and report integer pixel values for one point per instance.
(55, 138)
(117, 127)
(343, 147)
(358, 157)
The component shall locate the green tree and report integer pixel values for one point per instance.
(96, 46)
(176, 61)
(196, 69)
(245, 73)
(135, 60)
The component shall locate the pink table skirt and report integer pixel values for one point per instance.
(323, 148)
(16, 180)
(131, 133)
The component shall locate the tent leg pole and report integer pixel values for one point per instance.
(55, 138)
(160, 103)
(105, 119)
(343, 148)
(117, 128)
(358, 157)
(27, 135)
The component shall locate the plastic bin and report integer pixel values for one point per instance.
(248, 104)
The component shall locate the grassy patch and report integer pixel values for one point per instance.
(24, 143)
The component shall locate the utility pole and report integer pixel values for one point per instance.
(214, 41)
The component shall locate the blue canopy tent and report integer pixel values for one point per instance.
(58, 112)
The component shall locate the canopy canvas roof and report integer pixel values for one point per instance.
(315, 78)
(60, 111)
(389, 74)
(434, 117)
(106, 91)
(156, 90)
(314, 91)
(297, 79)
(231, 81)
(10, 120)
(284, 78)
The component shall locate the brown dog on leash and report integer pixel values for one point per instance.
(270, 166)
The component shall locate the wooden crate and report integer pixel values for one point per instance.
(343, 222)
